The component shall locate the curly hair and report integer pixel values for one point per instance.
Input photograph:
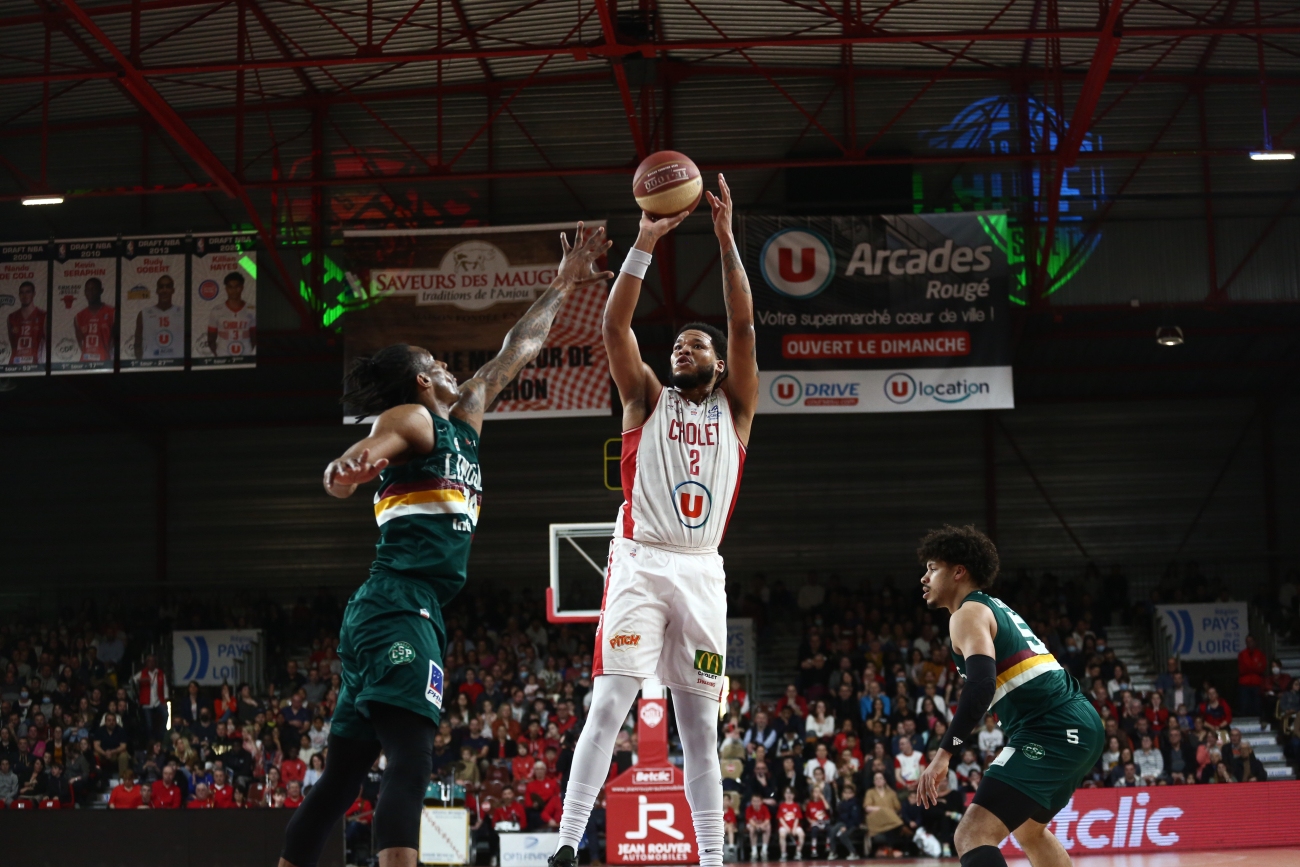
(378, 382)
(962, 546)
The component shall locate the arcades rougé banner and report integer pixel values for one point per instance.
(899, 313)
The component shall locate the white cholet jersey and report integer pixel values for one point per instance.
(681, 474)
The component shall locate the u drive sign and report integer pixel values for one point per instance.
(900, 313)
(210, 656)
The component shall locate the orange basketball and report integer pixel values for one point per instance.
(667, 183)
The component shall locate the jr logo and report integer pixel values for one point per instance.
(645, 823)
(693, 503)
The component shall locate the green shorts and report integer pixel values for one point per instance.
(391, 649)
(1048, 756)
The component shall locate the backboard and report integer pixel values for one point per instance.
(578, 554)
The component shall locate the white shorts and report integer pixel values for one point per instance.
(664, 615)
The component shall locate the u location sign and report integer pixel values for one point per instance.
(881, 314)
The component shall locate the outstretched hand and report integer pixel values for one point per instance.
(352, 471)
(654, 229)
(927, 787)
(578, 267)
(720, 205)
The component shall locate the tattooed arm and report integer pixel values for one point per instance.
(741, 384)
(525, 339)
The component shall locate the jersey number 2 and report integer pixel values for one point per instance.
(695, 462)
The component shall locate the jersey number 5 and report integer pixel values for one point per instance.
(1025, 632)
(1072, 736)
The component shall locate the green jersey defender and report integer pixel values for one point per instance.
(1054, 737)
(423, 449)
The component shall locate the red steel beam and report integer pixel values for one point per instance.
(584, 52)
(167, 118)
(620, 74)
(950, 158)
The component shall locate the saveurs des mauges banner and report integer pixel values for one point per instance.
(880, 314)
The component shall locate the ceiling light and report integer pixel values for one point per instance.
(42, 200)
(1168, 335)
(1268, 156)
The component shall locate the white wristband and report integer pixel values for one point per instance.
(636, 263)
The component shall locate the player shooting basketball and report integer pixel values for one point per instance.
(665, 608)
(423, 448)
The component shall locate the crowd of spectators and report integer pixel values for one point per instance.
(827, 769)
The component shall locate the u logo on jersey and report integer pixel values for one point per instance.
(693, 503)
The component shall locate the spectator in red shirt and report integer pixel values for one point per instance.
(758, 827)
(356, 821)
(223, 793)
(165, 794)
(541, 788)
(292, 768)
(551, 814)
(819, 815)
(509, 813)
(146, 798)
(1157, 714)
(1252, 665)
(794, 701)
(789, 823)
(125, 795)
(1215, 711)
(471, 688)
(293, 797)
(521, 766)
(202, 799)
(564, 720)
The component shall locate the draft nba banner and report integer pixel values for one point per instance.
(456, 292)
(903, 313)
(223, 312)
(25, 305)
(153, 304)
(84, 322)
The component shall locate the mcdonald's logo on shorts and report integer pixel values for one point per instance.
(707, 662)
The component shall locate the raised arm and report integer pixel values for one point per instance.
(525, 339)
(400, 431)
(741, 383)
(638, 387)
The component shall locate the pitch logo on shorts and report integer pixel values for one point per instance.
(401, 653)
(624, 640)
(797, 263)
(708, 663)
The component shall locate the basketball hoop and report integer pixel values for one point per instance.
(564, 539)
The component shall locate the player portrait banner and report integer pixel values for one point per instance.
(880, 314)
(83, 326)
(223, 306)
(152, 332)
(25, 306)
(457, 292)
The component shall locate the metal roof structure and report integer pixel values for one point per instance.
(300, 118)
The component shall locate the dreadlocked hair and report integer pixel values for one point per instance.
(719, 338)
(374, 383)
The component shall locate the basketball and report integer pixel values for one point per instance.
(667, 183)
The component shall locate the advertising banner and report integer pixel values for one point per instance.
(223, 309)
(83, 328)
(527, 850)
(444, 836)
(153, 304)
(741, 652)
(1214, 630)
(210, 656)
(25, 305)
(900, 313)
(456, 292)
(1176, 819)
